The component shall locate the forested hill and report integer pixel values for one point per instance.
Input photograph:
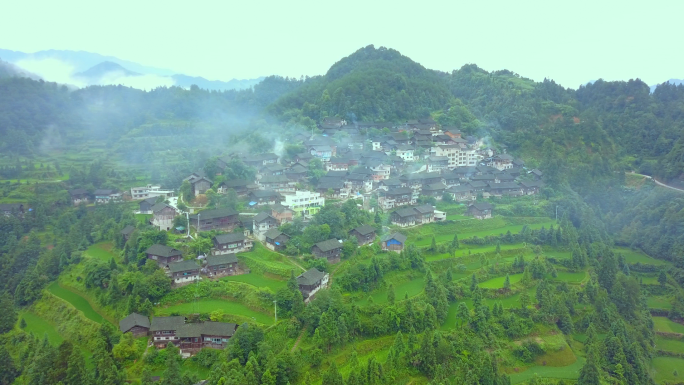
(371, 84)
(621, 122)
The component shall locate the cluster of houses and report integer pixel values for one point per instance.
(191, 337)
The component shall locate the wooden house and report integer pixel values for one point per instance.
(225, 219)
(199, 182)
(240, 186)
(136, 324)
(126, 232)
(163, 255)
(106, 196)
(79, 196)
(461, 193)
(275, 239)
(220, 265)
(145, 205)
(183, 271)
(393, 242)
(480, 210)
(230, 244)
(365, 234)
(310, 282)
(403, 217)
(261, 223)
(330, 249)
(193, 337)
(425, 214)
(162, 216)
(282, 214)
(264, 197)
(163, 330)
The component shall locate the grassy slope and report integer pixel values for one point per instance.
(663, 324)
(78, 302)
(664, 368)
(40, 327)
(209, 305)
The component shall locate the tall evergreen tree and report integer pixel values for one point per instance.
(8, 370)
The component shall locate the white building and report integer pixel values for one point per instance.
(405, 152)
(149, 191)
(304, 202)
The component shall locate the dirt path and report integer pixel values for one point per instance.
(301, 335)
(661, 184)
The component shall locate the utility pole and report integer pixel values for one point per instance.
(187, 219)
(556, 213)
(198, 223)
(275, 303)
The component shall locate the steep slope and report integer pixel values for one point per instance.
(8, 70)
(371, 84)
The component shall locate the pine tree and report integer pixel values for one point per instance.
(331, 377)
(473, 283)
(172, 374)
(398, 345)
(498, 247)
(22, 323)
(268, 379)
(8, 316)
(433, 245)
(428, 358)
(463, 314)
(662, 278)
(507, 283)
(589, 374)
(390, 294)
(146, 378)
(454, 242)
(8, 371)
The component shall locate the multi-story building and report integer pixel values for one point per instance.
(304, 202)
(149, 191)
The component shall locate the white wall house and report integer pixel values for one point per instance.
(406, 154)
(149, 191)
(304, 202)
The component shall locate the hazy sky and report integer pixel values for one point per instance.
(571, 42)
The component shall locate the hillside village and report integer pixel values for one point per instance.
(396, 173)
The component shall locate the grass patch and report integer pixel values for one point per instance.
(664, 368)
(670, 345)
(40, 327)
(263, 260)
(143, 218)
(209, 305)
(498, 282)
(663, 324)
(469, 229)
(77, 301)
(258, 280)
(571, 277)
(411, 287)
(102, 251)
(659, 302)
(634, 256)
(570, 372)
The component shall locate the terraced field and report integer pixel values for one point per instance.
(77, 301)
(40, 327)
(498, 283)
(259, 280)
(445, 233)
(209, 305)
(102, 251)
(411, 287)
(664, 368)
(663, 324)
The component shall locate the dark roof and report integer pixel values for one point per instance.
(503, 157)
(536, 172)
(435, 187)
(425, 209)
(460, 188)
(482, 206)
(310, 277)
(176, 267)
(166, 323)
(262, 216)
(330, 244)
(216, 213)
(127, 230)
(326, 183)
(274, 179)
(133, 320)
(236, 183)
(208, 328)
(274, 233)
(103, 192)
(162, 251)
(336, 174)
(505, 185)
(531, 183)
(398, 236)
(280, 208)
(477, 184)
(391, 182)
(405, 212)
(11, 206)
(399, 191)
(221, 259)
(229, 238)
(160, 206)
(265, 193)
(78, 191)
(364, 229)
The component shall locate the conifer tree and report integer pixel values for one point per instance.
(331, 377)
(8, 370)
(507, 283)
(390, 294)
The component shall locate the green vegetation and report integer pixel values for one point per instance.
(498, 283)
(40, 327)
(402, 288)
(664, 367)
(258, 280)
(209, 305)
(102, 251)
(662, 324)
(79, 302)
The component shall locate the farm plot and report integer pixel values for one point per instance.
(210, 305)
(40, 327)
(664, 368)
(402, 288)
(102, 251)
(498, 282)
(259, 280)
(663, 324)
(636, 256)
(77, 301)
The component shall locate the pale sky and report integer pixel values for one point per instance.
(571, 42)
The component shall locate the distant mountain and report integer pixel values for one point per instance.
(671, 81)
(234, 84)
(91, 67)
(8, 70)
(94, 74)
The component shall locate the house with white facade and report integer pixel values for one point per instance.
(149, 191)
(405, 152)
(311, 281)
(304, 202)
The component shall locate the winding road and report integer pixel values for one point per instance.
(661, 184)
